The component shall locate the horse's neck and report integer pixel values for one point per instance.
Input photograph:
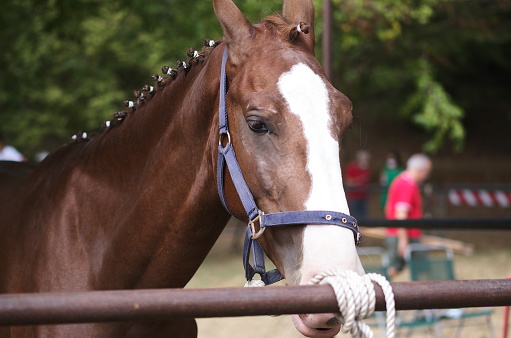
(151, 184)
(173, 130)
(176, 210)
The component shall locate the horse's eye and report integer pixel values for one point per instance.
(257, 126)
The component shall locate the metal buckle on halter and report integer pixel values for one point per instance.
(221, 138)
(252, 226)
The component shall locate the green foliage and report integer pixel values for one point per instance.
(432, 108)
(66, 66)
(381, 48)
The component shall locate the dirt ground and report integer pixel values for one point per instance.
(223, 268)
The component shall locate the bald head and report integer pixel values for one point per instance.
(419, 166)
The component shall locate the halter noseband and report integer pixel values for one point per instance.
(227, 156)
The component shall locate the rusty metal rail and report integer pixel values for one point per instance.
(151, 305)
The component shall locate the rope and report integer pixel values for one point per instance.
(254, 283)
(356, 298)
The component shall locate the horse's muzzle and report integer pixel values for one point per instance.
(317, 325)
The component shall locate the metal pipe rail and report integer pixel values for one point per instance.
(440, 223)
(159, 304)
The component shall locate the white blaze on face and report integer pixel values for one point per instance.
(324, 246)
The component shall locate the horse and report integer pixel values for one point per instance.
(137, 206)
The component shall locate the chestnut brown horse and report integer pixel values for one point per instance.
(137, 206)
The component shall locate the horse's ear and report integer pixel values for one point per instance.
(234, 24)
(301, 11)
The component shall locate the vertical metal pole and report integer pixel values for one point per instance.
(505, 327)
(327, 38)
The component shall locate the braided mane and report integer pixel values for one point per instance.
(275, 23)
(287, 30)
(147, 92)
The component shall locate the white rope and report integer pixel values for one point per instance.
(254, 283)
(356, 298)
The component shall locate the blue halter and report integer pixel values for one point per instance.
(227, 156)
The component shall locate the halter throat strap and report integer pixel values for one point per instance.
(227, 157)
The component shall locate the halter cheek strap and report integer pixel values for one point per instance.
(227, 156)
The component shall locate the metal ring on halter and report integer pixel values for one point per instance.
(221, 139)
(251, 225)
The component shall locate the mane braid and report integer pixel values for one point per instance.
(147, 92)
(284, 28)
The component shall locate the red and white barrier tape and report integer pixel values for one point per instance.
(480, 197)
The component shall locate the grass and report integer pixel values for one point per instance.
(223, 268)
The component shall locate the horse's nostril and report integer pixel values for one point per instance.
(332, 322)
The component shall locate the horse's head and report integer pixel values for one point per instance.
(286, 122)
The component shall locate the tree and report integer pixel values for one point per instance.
(67, 66)
(72, 64)
(418, 59)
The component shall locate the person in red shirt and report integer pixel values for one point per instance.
(404, 201)
(357, 177)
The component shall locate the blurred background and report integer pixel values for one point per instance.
(428, 76)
